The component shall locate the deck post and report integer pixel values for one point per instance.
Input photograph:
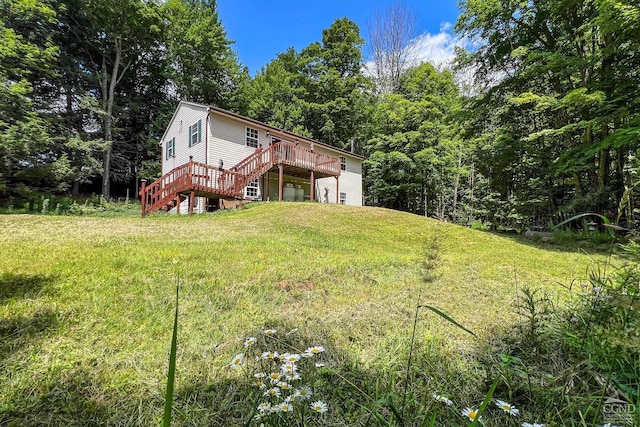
(192, 197)
(143, 195)
(312, 189)
(280, 183)
(337, 191)
(177, 204)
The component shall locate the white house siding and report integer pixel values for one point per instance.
(186, 115)
(349, 182)
(227, 142)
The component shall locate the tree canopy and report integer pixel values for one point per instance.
(550, 127)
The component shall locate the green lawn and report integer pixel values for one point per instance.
(86, 304)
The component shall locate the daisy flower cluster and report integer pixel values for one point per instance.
(279, 376)
(472, 413)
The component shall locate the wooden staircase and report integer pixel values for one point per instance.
(200, 179)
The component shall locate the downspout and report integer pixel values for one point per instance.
(206, 149)
(206, 137)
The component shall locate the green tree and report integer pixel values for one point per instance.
(27, 59)
(562, 110)
(204, 68)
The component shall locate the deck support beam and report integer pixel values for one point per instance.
(143, 196)
(177, 204)
(192, 198)
(280, 181)
(312, 187)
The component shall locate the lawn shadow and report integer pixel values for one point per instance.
(20, 331)
(583, 247)
(72, 396)
(23, 286)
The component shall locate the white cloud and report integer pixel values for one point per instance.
(438, 49)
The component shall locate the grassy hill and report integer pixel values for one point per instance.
(86, 305)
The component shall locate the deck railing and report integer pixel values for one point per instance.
(203, 178)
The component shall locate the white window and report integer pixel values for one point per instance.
(195, 133)
(343, 163)
(343, 198)
(170, 148)
(252, 138)
(251, 191)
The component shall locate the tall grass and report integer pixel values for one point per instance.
(86, 307)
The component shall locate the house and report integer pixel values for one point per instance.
(212, 158)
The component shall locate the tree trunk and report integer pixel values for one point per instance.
(456, 184)
(108, 85)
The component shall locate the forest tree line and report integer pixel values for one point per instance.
(548, 123)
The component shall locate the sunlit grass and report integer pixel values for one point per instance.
(86, 304)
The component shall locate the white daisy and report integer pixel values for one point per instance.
(319, 407)
(269, 355)
(532, 425)
(442, 399)
(269, 331)
(283, 385)
(303, 393)
(507, 407)
(314, 350)
(274, 377)
(320, 365)
(236, 361)
(272, 392)
(288, 357)
(264, 407)
(285, 407)
(289, 368)
(471, 413)
(292, 376)
(249, 342)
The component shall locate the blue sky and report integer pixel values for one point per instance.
(261, 29)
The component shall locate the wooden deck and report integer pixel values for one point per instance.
(199, 179)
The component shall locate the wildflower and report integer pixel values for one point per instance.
(273, 392)
(303, 393)
(264, 407)
(283, 385)
(287, 357)
(471, 413)
(533, 425)
(249, 342)
(314, 350)
(292, 376)
(320, 365)
(442, 399)
(291, 398)
(259, 375)
(269, 332)
(285, 407)
(236, 361)
(319, 406)
(269, 355)
(507, 407)
(260, 384)
(291, 332)
(289, 368)
(274, 377)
